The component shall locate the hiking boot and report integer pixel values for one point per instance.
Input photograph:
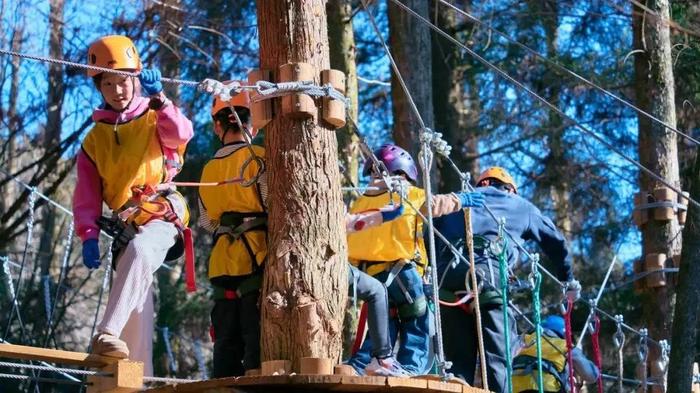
(108, 345)
(387, 367)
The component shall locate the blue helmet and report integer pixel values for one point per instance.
(554, 323)
(396, 159)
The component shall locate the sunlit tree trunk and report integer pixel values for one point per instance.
(305, 286)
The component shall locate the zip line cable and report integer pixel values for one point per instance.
(546, 103)
(562, 68)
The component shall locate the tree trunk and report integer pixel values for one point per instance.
(341, 40)
(305, 286)
(409, 40)
(555, 184)
(456, 109)
(685, 321)
(657, 150)
(52, 134)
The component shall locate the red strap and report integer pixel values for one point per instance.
(212, 334)
(597, 356)
(230, 294)
(570, 343)
(190, 281)
(361, 327)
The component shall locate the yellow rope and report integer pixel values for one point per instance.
(475, 289)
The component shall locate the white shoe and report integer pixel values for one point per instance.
(387, 367)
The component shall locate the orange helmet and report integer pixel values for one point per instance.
(498, 173)
(113, 51)
(240, 99)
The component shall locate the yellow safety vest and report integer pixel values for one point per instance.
(132, 156)
(398, 239)
(241, 256)
(553, 365)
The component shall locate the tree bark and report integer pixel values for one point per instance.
(409, 40)
(341, 40)
(685, 321)
(456, 109)
(305, 286)
(658, 151)
(555, 184)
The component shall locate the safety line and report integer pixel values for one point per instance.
(546, 103)
(560, 67)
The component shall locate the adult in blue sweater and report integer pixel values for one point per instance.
(524, 222)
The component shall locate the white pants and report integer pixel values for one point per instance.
(129, 313)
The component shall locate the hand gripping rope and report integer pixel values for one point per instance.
(569, 343)
(500, 248)
(594, 327)
(619, 340)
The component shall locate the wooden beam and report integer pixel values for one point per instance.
(54, 356)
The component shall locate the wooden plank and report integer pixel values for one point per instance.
(406, 385)
(351, 383)
(320, 383)
(54, 356)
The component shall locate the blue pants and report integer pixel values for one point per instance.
(372, 292)
(413, 331)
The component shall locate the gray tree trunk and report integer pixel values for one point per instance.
(658, 151)
(456, 109)
(305, 286)
(409, 40)
(341, 41)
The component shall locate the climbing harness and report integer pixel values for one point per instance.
(154, 202)
(569, 343)
(619, 341)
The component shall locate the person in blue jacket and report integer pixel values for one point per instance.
(524, 222)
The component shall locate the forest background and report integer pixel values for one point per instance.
(585, 188)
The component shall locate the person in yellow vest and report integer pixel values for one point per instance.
(237, 216)
(554, 366)
(134, 149)
(394, 253)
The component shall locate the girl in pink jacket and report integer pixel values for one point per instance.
(126, 162)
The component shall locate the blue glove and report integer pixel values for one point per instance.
(150, 81)
(390, 214)
(91, 254)
(471, 199)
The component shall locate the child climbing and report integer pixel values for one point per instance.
(554, 364)
(236, 214)
(134, 149)
(364, 287)
(394, 254)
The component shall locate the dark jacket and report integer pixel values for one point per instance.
(524, 222)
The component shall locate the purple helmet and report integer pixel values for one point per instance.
(396, 160)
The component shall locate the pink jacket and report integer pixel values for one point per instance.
(174, 129)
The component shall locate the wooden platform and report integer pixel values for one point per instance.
(317, 383)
